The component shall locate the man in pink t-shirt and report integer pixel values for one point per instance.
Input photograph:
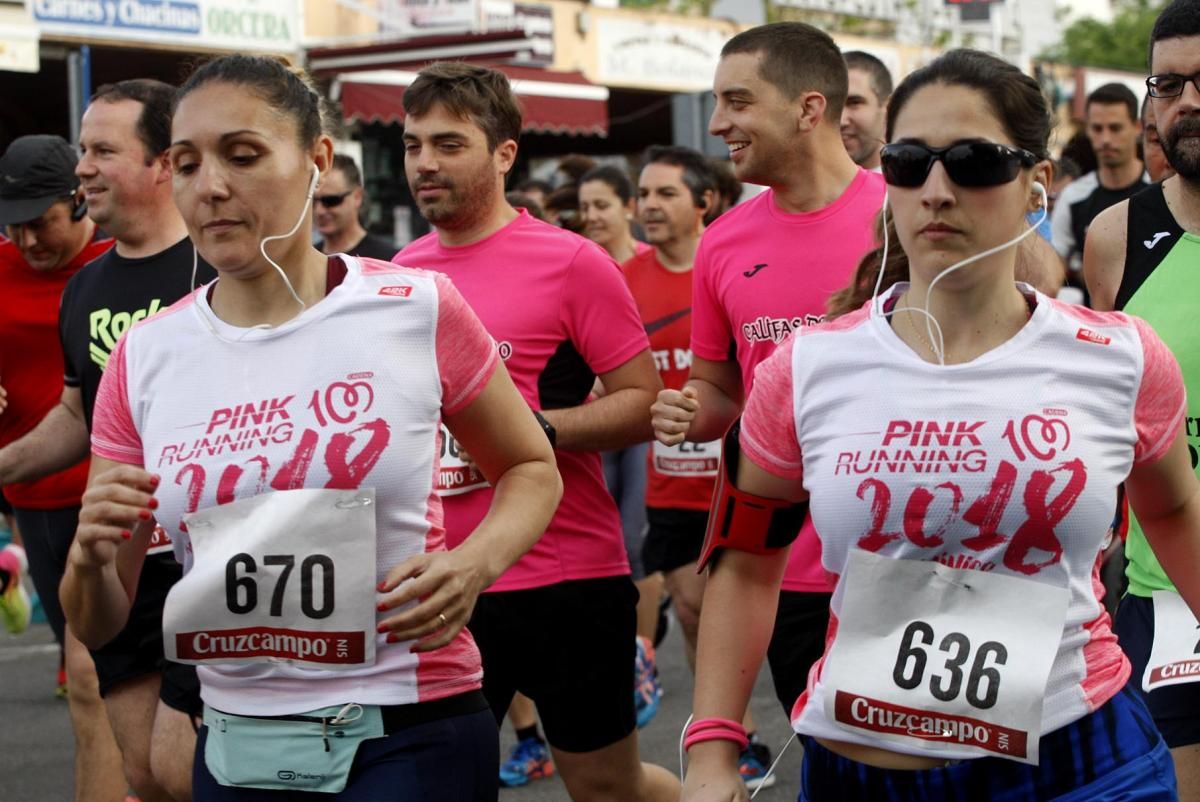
(559, 625)
(768, 266)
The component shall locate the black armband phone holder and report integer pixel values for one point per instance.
(743, 521)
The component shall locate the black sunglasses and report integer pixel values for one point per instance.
(1170, 84)
(969, 164)
(330, 201)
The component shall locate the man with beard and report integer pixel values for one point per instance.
(1141, 257)
(864, 116)
(559, 625)
(1113, 127)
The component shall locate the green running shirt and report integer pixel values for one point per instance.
(1161, 284)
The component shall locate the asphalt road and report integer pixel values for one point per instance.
(36, 747)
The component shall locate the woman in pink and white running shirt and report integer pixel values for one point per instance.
(959, 440)
(282, 424)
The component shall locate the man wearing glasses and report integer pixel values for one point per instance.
(336, 208)
(1141, 258)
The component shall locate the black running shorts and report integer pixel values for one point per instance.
(570, 648)
(674, 539)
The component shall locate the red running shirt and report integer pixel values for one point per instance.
(31, 365)
(664, 300)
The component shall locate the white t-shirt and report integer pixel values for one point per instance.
(1006, 464)
(348, 394)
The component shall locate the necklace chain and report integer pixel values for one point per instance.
(908, 316)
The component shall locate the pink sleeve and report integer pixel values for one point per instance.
(466, 353)
(769, 420)
(711, 338)
(600, 315)
(1161, 404)
(114, 435)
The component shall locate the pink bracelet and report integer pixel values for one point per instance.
(715, 729)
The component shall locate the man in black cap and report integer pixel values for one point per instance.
(50, 238)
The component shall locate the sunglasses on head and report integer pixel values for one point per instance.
(969, 164)
(330, 201)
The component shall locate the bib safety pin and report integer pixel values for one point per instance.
(359, 501)
(950, 581)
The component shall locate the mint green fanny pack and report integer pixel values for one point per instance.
(311, 751)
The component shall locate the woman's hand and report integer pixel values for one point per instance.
(101, 577)
(116, 502)
(446, 583)
(712, 774)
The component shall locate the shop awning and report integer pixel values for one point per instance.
(551, 102)
(414, 51)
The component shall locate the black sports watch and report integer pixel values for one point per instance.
(551, 433)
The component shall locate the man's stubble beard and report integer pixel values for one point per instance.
(1183, 152)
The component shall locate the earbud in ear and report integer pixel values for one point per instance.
(312, 185)
(1040, 188)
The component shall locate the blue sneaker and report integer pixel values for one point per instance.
(647, 690)
(530, 760)
(752, 765)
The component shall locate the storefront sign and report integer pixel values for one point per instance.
(657, 56)
(537, 21)
(264, 25)
(19, 49)
(429, 16)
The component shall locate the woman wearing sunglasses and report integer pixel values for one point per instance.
(958, 441)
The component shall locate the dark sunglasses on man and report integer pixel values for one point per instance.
(331, 201)
(968, 164)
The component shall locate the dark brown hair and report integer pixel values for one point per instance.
(349, 169)
(1019, 105)
(862, 287)
(1179, 19)
(154, 122)
(1114, 95)
(469, 92)
(796, 58)
(881, 78)
(1015, 98)
(286, 89)
(614, 177)
(697, 175)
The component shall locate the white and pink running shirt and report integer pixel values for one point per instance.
(348, 394)
(561, 312)
(760, 274)
(1006, 464)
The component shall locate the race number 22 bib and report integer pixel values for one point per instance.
(687, 459)
(940, 661)
(1175, 655)
(286, 576)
